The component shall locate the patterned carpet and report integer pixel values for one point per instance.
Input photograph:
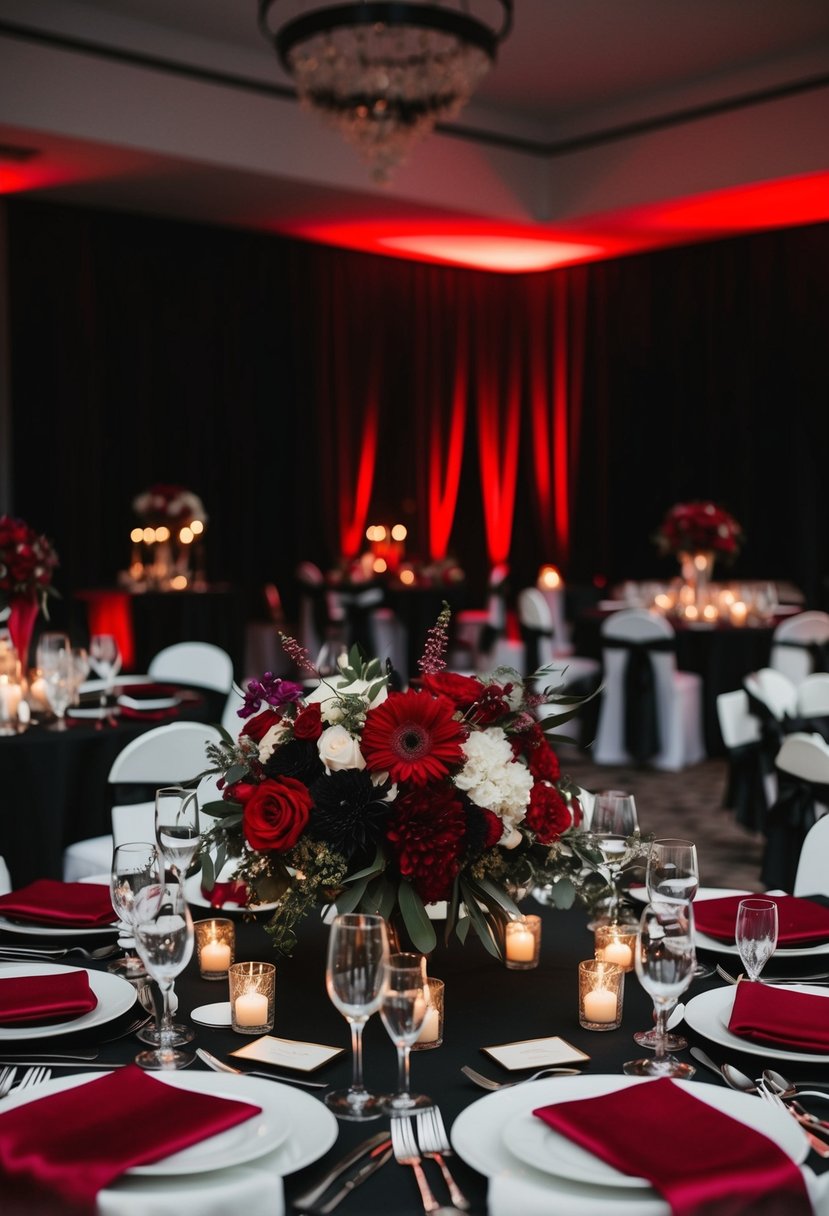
(687, 805)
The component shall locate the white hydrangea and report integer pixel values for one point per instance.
(494, 779)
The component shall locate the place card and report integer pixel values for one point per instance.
(288, 1053)
(536, 1053)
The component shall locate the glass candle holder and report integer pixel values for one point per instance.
(522, 943)
(215, 947)
(601, 995)
(616, 944)
(431, 1032)
(252, 992)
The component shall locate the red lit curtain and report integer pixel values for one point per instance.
(498, 366)
(442, 386)
(556, 369)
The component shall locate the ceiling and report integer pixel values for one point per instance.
(606, 126)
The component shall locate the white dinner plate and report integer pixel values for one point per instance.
(704, 942)
(294, 1128)
(641, 893)
(192, 889)
(93, 712)
(708, 1015)
(115, 996)
(478, 1137)
(148, 703)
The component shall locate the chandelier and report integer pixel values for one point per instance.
(383, 73)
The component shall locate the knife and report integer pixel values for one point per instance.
(312, 1196)
(48, 1057)
(379, 1157)
(60, 1062)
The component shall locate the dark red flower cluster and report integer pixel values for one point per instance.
(541, 759)
(27, 560)
(548, 815)
(426, 833)
(691, 527)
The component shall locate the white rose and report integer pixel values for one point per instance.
(338, 750)
(269, 742)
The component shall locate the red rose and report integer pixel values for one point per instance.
(462, 691)
(548, 814)
(308, 724)
(276, 814)
(256, 728)
(240, 791)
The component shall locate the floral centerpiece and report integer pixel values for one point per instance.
(695, 527)
(390, 801)
(168, 504)
(27, 566)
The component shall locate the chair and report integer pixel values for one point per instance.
(802, 798)
(650, 711)
(166, 755)
(771, 692)
(538, 633)
(751, 786)
(800, 645)
(198, 663)
(812, 877)
(813, 696)
(473, 628)
(315, 610)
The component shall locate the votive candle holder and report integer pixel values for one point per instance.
(252, 997)
(601, 994)
(616, 944)
(522, 943)
(431, 1032)
(215, 947)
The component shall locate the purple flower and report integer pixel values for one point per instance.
(270, 690)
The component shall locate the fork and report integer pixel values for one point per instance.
(406, 1153)
(33, 1076)
(791, 979)
(434, 1143)
(7, 1076)
(488, 1083)
(819, 1146)
(102, 952)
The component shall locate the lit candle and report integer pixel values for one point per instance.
(37, 694)
(251, 1008)
(616, 952)
(738, 612)
(10, 695)
(600, 1005)
(430, 1029)
(215, 956)
(520, 944)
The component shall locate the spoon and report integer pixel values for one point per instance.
(785, 1089)
(738, 1080)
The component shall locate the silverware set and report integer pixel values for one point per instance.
(32, 1076)
(407, 1151)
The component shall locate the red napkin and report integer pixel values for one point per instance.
(45, 998)
(703, 1162)
(58, 1152)
(782, 1017)
(79, 905)
(226, 893)
(799, 921)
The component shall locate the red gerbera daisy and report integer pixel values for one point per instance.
(412, 736)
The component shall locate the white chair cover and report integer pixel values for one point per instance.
(802, 798)
(678, 695)
(799, 645)
(199, 663)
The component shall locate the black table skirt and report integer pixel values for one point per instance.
(485, 1005)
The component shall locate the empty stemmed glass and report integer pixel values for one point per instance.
(402, 1010)
(136, 887)
(358, 951)
(664, 959)
(673, 873)
(177, 828)
(105, 661)
(60, 685)
(165, 943)
(614, 829)
(756, 934)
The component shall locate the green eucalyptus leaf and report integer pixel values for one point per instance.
(376, 867)
(462, 929)
(418, 925)
(235, 773)
(479, 922)
(563, 893)
(348, 899)
(208, 872)
(219, 807)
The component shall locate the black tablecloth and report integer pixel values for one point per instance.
(722, 656)
(485, 1005)
(54, 788)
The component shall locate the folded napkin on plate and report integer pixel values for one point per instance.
(703, 1162)
(147, 715)
(29, 999)
(77, 905)
(57, 1152)
(226, 893)
(799, 921)
(782, 1017)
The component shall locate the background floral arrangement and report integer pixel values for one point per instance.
(689, 527)
(165, 504)
(388, 801)
(27, 562)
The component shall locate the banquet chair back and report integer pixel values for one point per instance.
(813, 696)
(800, 645)
(475, 630)
(537, 630)
(5, 878)
(773, 691)
(751, 784)
(650, 712)
(812, 876)
(198, 663)
(802, 798)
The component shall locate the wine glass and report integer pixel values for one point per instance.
(358, 952)
(136, 886)
(165, 943)
(328, 660)
(756, 934)
(105, 660)
(664, 959)
(402, 1011)
(50, 643)
(613, 822)
(673, 873)
(177, 829)
(59, 685)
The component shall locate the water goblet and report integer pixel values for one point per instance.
(664, 958)
(165, 943)
(673, 873)
(177, 827)
(402, 1011)
(105, 661)
(612, 824)
(358, 951)
(136, 887)
(756, 934)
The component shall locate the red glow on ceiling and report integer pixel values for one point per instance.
(505, 253)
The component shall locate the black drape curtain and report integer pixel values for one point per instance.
(150, 350)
